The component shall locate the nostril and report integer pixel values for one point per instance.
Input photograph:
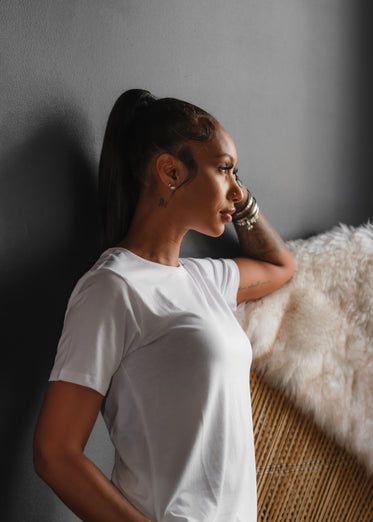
(239, 194)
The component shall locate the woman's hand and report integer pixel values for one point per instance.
(66, 420)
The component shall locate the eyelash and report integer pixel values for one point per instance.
(229, 167)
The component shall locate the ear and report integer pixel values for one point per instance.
(168, 170)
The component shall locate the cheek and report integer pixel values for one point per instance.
(218, 192)
(207, 190)
(214, 185)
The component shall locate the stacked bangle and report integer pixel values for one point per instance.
(248, 216)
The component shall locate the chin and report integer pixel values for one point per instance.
(213, 233)
(218, 234)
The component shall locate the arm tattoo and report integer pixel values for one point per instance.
(254, 285)
(262, 242)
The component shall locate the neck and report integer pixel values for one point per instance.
(154, 235)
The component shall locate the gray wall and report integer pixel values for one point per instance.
(290, 80)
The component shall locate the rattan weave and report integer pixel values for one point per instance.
(301, 473)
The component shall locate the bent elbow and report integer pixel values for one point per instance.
(43, 461)
(48, 461)
(286, 271)
(290, 267)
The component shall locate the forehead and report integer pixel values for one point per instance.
(221, 145)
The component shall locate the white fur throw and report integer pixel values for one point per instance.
(314, 337)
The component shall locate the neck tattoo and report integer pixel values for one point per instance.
(162, 203)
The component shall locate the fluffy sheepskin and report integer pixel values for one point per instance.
(314, 337)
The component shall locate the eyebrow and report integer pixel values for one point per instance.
(226, 155)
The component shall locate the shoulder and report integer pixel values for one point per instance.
(104, 281)
(216, 274)
(215, 269)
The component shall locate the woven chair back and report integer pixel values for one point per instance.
(302, 475)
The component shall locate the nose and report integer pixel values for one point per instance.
(235, 191)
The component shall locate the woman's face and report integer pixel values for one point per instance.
(210, 196)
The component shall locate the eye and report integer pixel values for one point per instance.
(227, 168)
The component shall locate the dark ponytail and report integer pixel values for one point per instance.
(138, 127)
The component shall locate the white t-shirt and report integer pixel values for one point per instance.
(164, 347)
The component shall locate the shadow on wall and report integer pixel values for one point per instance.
(365, 107)
(49, 233)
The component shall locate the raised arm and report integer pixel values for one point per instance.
(66, 420)
(266, 264)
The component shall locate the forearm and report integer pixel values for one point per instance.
(262, 242)
(87, 492)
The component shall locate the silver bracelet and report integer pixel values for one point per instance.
(247, 208)
(249, 220)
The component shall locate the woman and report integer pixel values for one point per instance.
(151, 339)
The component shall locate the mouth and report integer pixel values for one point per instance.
(227, 214)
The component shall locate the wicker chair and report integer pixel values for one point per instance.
(301, 473)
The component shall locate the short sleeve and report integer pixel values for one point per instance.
(98, 330)
(223, 273)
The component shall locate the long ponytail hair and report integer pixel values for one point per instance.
(139, 126)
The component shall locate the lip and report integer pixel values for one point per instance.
(227, 214)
